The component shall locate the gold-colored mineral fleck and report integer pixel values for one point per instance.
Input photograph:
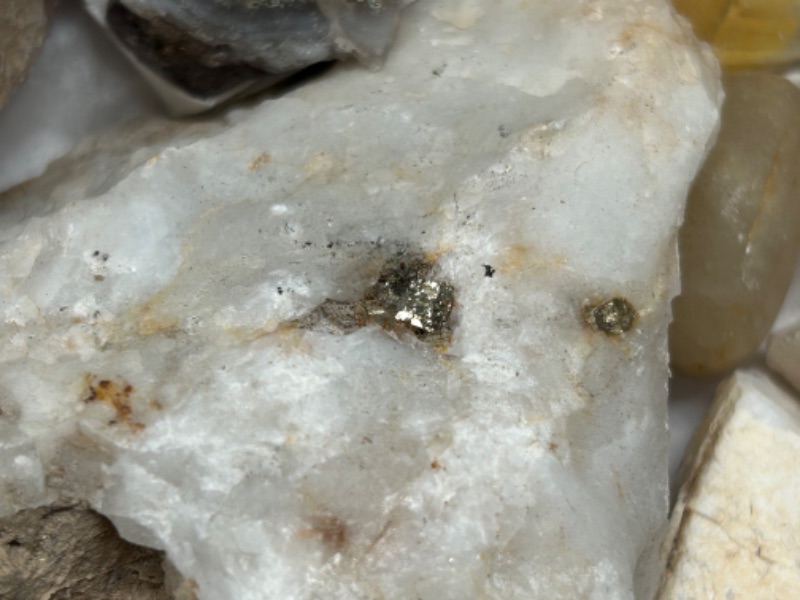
(614, 317)
(405, 297)
(741, 233)
(747, 33)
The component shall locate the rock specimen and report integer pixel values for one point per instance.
(67, 551)
(740, 240)
(199, 54)
(747, 33)
(23, 24)
(395, 334)
(733, 532)
(783, 354)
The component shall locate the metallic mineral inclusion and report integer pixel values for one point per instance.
(405, 297)
(614, 317)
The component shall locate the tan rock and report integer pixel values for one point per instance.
(734, 529)
(740, 237)
(23, 24)
(69, 551)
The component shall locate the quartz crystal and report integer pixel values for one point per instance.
(733, 532)
(747, 33)
(783, 354)
(395, 334)
(740, 239)
(23, 24)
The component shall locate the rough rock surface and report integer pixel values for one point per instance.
(69, 551)
(733, 532)
(23, 24)
(395, 334)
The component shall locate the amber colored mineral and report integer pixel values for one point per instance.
(739, 241)
(747, 33)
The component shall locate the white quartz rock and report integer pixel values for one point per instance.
(783, 354)
(538, 155)
(733, 532)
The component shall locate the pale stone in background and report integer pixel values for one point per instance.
(733, 532)
(69, 551)
(23, 25)
(199, 55)
(78, 85)
(740, 240)
(148, 301)
(783, 354)
(750, 34)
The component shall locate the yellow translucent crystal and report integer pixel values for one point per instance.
(747, 33)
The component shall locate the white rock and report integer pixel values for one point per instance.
(783, 354)
(554, 142)
(733, 532)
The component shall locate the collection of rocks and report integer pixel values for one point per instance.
(402, 331)
(734, 528)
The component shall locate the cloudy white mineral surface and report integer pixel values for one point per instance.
(396, 334)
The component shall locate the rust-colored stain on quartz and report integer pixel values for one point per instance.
(259, 161)
(330, 530)
(115, 393)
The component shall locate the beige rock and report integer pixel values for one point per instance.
(734, 532)
(23, 24)
(783, 354)
(740, 237)
(69, 551)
